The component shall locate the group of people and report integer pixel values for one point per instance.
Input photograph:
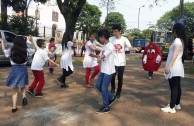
(110, 63)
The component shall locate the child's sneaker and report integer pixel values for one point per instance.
(88, 85)
(24, 101)
(112, 100)
(31, 92)
(64, 86)
(39, 95)
(103, 110)
(178, 107)
(168, 109)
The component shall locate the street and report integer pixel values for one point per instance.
(139, 105)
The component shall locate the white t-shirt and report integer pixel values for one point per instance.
(7, 53)
(177, 68)
(66, 58)
(40, 57)
(107, 65)
(89, 61)
(119, 54)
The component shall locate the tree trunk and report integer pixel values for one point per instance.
(70, 14)
(3, 13)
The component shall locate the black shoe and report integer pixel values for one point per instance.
(117, 95)
(39, 95)
(60, 81)
(14, 110)
(64, 86)
(112, 91)
(51, 70)
(31, 92)
(24, 101)
(103, 110)
(112, 100)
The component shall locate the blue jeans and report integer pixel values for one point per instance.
(102, 85)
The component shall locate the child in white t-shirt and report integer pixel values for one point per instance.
(40, 57)
(106, 57)
(66, 63)
(91, 62)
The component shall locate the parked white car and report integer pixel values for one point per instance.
(8, 38)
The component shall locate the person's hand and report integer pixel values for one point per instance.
(99, 59)
(60, 54)
(92, 55)
(30, 38)
(167, 71)
(138, 49)
(58, 65)
(1, 40)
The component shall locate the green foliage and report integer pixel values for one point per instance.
(167, 20)
(18, 25)
(89, 19)
(115, 18)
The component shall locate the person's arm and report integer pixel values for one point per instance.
(49, 60)
(98, 44)
(175, 54)
(134, 48)
(2, 45)
(31, 40)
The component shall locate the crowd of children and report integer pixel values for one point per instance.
(111, 59)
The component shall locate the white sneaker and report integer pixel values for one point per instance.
(178, 107)
(168, 109)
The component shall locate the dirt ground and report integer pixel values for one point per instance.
(139, 105)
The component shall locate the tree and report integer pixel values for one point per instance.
(17, 5)
(115, 18)
(167, 20)
(181, 6)
(17, 26)
(110, 5)
(89, 19)
(70, 9)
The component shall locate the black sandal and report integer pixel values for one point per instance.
(14, 110)
(24, 101)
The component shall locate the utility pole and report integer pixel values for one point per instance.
(107, 7)
(181, 8)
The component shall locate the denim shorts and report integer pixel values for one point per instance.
(18, 77)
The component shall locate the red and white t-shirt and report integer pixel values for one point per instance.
(119, 53)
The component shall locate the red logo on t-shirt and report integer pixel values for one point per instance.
(118, 48)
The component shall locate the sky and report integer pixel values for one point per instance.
(130, 8)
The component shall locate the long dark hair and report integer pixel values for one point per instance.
(19, 50)
(64, 42)
(179, 29)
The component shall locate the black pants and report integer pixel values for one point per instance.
(150, 74)
(66, 74)
(119, 72)
(175, 88)
(82, 50)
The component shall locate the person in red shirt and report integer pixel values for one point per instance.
(52, 43)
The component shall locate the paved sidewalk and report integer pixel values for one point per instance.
(139, 104)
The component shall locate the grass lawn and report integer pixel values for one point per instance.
(189, 70)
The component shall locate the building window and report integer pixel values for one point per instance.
(37, 14)
(55, 16)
